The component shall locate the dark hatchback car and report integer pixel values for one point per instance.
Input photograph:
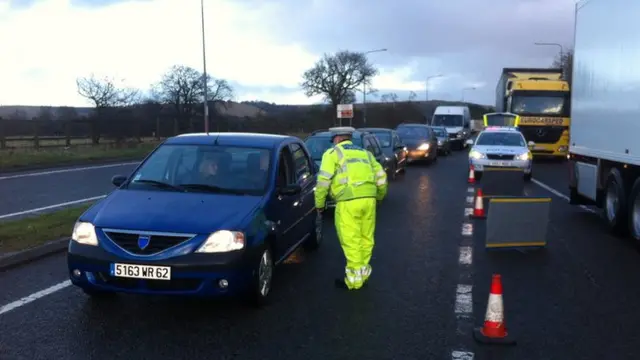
(392, 147)
(204, 215)
(421, 142)
(320, 141)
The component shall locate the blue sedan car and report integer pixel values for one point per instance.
(204, 215)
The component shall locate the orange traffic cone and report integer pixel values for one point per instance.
(494, 330)
(472, 175)
(478, 208)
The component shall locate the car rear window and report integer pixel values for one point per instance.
(237, 169)
(413, 131)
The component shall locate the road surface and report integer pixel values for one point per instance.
(577, 299)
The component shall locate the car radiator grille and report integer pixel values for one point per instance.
(157, 243)
(542, 134)
(499, 157)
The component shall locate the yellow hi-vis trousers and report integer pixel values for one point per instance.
(356, 224)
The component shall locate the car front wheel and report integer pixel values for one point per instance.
(262, 279)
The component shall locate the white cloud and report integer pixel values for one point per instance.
(47, 46)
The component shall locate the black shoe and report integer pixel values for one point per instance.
(340, 284)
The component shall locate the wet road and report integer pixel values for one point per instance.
(574, 300)
(45, 190)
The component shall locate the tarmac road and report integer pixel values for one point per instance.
(45, 190)
(574, 300)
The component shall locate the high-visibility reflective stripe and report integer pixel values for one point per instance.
(325, 174)
(343, 181)
(381, 173)
(338, 152)
(366, 271)
(323, 183)
(349, 161)
(381, 182)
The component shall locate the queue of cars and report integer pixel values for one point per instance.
(213, 214)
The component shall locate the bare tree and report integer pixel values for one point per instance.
(565, 63)
(389, 97)
(103, 93)
(219, 90)
(412, 96)
(338, 76)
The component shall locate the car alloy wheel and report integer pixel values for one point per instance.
(265, 273)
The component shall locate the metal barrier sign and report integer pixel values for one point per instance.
(345, 111)
(502, 182)
(515, 222)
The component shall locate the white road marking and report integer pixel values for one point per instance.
(470, 189)
(468, 211)
(6, 216)
(50, 172)
(469, 199)
(467, 229)
(559, 194)
(33, 297)
(464, 299)
(466, 255)
(461, 355)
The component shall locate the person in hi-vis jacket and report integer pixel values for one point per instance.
(356, 181)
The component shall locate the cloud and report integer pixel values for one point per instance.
(263, 46)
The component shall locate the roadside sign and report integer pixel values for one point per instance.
(345, 111)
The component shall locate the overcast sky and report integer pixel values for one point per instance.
(263, 46)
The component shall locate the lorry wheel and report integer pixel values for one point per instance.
(634, 212)
(615, 203)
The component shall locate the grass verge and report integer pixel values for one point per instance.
(25, 157)
(31, 232)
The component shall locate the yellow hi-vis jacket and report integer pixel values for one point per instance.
(349, 172)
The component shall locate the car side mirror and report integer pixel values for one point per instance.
(531, 144)
(118, 180)
(290, 190)
(469, 142)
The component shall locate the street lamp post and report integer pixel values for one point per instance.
(364, 90)
(559, 46)
(467, 88)
(204, 66)
(426, 92)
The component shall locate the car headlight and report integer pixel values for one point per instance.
(476, 155)
(524, 156)
(440, 142)
(222, 241)
(423, 147)
(84, 233)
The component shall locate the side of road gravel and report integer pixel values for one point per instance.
(18, 258)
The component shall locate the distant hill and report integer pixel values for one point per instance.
(244, 109)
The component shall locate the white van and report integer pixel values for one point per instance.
(457, 121)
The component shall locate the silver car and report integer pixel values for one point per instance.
(501, 147)
(444, 145)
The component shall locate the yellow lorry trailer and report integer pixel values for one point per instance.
(542, 100)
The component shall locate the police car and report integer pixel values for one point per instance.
(500, 147)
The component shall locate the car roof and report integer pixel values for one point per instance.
(413, 125)
(372, 129)
(327, 133)
(257, 140)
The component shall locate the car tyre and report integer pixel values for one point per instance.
(392, 172)
(615, 204)
(317, 234)
(262, 279)
(528, 177)
(634, 212)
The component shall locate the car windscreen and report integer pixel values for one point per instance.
(538, 105)
(447, 120)
(413, 132)
(440, 132)
(384, 137)
(501, 139)
(205, 168)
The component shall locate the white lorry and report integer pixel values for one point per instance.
(604, 151)
(457, 121)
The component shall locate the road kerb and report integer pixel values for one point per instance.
(26, 256)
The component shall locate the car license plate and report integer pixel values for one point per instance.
(498, 163)
(141, 271)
